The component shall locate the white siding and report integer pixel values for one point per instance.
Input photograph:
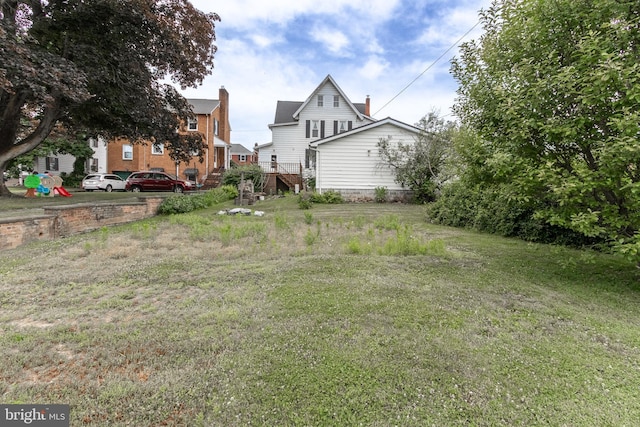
(100, 153)
(65, 164)
(353, 162)
(290, 142)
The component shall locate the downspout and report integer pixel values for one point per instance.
(315, 167)
(207, 156)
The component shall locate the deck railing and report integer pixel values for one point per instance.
(281, 168)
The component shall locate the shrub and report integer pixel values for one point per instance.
(183, 203)
(332, 197)
(492, 210)
(304, 200)
(233, 176)
(380, 194)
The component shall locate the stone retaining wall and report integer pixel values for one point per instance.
(66, 220)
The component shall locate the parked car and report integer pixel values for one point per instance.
(103, 181)
(157, 181)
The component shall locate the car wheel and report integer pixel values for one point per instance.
(178, 189)
(109, 188)
(136, 189)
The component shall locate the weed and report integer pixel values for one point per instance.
(380, 194)
(388, 222)
(308, 218)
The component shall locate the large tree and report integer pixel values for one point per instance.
(100, 67)
(422, 165)
(553, 90)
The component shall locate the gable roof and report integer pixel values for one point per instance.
(326, 80)
(365, 128)
(285, 111)
(203, 106)
(239, 149)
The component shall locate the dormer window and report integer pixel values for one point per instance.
(320, 100)
(336, 101)
(192, 124)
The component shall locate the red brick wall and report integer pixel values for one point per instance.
(60, 221)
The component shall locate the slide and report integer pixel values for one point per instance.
(62, 191)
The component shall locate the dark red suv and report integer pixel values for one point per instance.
(156, 181)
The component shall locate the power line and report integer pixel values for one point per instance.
(428, 68)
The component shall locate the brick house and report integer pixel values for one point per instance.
(212, 122)
(240, 155)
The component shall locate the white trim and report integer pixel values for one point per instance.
(328, 79)
(366, 127)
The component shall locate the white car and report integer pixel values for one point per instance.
(103, 181)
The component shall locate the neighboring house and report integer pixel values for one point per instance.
(326, 112)
(63, 163)
(240, 155)
(56, 165)
(350, 163)
(98, 162)
(212, 122)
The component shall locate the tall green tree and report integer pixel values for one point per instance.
(552, 89)
(422, 165)
(98, 66)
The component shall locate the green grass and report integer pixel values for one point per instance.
(357, 315)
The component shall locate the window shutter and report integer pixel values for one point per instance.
(321, 128)
(308, 131)
(350, 125)
(335, 127)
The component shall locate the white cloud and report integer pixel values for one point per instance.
(260, 59)
(373, 68)
(333, 40)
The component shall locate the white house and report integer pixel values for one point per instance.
(326, 112)
(350, 163)
(98, 162)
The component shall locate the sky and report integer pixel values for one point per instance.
(281, 50)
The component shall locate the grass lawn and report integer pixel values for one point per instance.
(341, 315)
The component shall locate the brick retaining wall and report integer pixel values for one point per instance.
(62, 221)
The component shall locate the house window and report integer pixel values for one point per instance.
(320, 100)
(157, 149)
(94, 142)
(314, 128)
(51, 163)
(343, 126)
(93, 165)
(192, 124)
(336, 101)
(242, 157)
(216, 127)
(127, 152)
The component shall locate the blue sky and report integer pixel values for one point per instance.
(282, 49)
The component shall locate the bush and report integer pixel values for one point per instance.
(307, 198)
(183, 203)
(492, 210)
(304, 201)
(380, 194)
(233, 176)
(332, 197)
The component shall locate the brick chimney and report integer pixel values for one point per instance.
(224, 131)
(367, 106)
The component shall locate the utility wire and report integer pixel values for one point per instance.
(428, 68)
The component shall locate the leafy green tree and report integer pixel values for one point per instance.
(552, 89)
(97, 67)
(421, 166)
